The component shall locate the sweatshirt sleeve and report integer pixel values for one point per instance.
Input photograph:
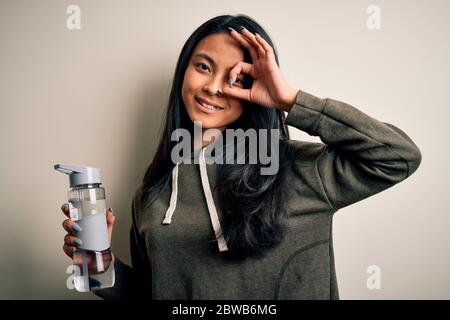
(131, 282)
(360, 156)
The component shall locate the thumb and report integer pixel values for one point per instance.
(110, 218)
(238, 93)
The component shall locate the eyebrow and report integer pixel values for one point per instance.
(207, 57)
(204, 55)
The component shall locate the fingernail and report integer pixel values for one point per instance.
(242, 28)
(232, 29)
(111, 210)
(78, 242)
(65, 206)
(76, 227)
(229, 82)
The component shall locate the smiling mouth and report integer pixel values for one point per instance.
(208, 106)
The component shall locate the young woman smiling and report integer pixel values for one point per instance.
(225, 231)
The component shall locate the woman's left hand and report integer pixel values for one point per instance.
(269, 88)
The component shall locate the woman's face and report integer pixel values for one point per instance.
(207, 72)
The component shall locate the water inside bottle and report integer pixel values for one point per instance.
(93, 269)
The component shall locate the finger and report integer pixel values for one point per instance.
(238, 93)
(267, 47)
(72, 241)
(245, 43)
(110, 218)
(241, 67)
(252, 39)
(69, 250)
(71, 227)
(65, 209)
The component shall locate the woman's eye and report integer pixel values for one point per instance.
(239, 81)
(202, 65)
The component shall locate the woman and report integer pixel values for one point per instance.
(271, 234)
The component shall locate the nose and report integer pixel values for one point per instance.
(215, 85)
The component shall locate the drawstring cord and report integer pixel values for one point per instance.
(211, 206)
(173, 196)
(209, 201)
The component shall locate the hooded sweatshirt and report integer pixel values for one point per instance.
(171, 252)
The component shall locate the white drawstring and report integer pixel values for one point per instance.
(209, 201)
(211, 206)
(173, 196)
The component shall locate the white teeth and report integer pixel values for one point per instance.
(208, 106)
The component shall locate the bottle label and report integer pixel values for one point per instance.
(94, 234)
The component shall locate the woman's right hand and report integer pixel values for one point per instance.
(71, 241)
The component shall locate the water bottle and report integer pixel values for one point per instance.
(93, 267)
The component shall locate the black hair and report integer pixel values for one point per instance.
(253, 216)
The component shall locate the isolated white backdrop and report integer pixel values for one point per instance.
(97, 96)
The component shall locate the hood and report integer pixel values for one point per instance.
(200, 154)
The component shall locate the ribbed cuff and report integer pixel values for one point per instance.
(306, 112)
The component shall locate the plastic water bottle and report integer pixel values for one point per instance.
(93, 267)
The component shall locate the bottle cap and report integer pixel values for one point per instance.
(79, 175)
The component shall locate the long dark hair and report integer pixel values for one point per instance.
(254, 218)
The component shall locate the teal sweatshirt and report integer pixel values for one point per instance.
(171, 252)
